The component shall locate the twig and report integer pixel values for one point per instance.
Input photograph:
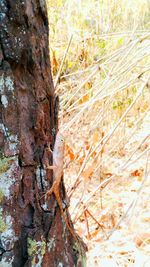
(132, 133)
(80, 87)
(132, 205)
(144, 139)
(87, 224)
(94, 219)
(106, 138)
(62, 62)
(146, 150)
(101, 185)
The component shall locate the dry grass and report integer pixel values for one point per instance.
(100, 54)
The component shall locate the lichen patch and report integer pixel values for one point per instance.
(9, 83)
(4, 101)
(7, 165)
(7, 263)
(8, 237)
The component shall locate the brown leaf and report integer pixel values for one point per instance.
(70, 152)
(142, 238)
(137, 172)
(96, 137)
(88, 172)
(84, 99)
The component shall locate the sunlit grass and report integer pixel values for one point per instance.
(90, 23)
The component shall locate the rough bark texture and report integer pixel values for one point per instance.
(33, 232)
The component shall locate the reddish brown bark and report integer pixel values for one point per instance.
(33, 232)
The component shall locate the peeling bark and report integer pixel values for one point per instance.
(33, 232)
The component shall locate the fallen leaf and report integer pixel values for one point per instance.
(69, 152)
(142, 239)
(84, 99)
(96, 137)
(138, 172)
(87, 172)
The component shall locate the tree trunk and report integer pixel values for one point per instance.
(33, 232)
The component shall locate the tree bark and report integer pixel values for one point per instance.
(33, 232)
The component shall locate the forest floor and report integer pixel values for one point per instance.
(121, 235)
